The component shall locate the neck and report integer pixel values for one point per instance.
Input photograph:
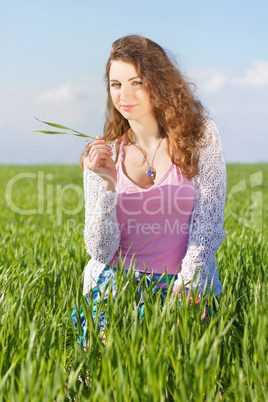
(146, 134)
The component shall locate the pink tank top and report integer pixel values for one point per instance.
(154, 222)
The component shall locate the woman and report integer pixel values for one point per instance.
(155, 184)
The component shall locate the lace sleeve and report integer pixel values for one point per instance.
(102, 233)
(206, 231)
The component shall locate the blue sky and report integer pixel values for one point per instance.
(53, 55)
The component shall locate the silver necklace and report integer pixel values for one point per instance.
(150, 172)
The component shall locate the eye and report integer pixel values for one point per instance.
(115, 84)
(137, 82)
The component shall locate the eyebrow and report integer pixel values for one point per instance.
(133, 78)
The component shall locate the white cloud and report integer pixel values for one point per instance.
(239, 110)
(70, 92)
(209, 80)
(214, 83)
(257, 76)
(239, 107)
(64, 92)
(83, 111)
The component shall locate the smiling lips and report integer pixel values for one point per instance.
(128, 107)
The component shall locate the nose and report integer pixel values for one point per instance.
(125, 92)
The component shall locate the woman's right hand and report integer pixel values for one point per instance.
(99, 159)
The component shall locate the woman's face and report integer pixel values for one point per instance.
(128, 94)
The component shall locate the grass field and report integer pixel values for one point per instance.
(42, 258)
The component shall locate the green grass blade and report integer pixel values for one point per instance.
(62, 128)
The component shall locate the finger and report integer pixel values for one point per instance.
(95, 143)
(100, 151)
(99, 144)
(101, 157)
(87, 163)
(98, 140)
(101, 148)
(96, 162)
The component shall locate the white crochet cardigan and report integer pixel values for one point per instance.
(102, 232)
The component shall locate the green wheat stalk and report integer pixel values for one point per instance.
(73, 132)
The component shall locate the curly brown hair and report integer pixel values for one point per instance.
(179, 114)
